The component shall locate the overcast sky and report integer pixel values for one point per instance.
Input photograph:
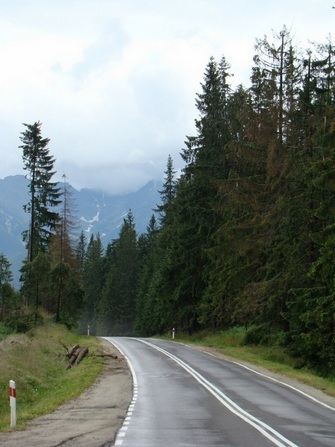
(114, 82)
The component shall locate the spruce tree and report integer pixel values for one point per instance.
(146, 302)
(196, 218)
(44, 194)
(80, 250)
(168, 192)
(36, 285)
(93, 282)
(311, 309)
(118, 305)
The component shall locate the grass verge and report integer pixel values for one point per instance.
(273, 358)
(37, 362)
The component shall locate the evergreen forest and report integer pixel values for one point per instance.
(243, 237)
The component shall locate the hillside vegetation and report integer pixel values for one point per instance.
(37, 362)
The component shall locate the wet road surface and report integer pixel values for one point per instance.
(186, 397)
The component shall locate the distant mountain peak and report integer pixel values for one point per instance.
(97, 213)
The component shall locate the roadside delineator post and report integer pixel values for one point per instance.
(173, 333)
(12, 403)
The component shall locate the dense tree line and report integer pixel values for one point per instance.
(243, 237)
(247, 231)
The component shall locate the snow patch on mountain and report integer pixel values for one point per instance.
(94, 219)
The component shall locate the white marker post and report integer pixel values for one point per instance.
(173, 333)
(12, 403)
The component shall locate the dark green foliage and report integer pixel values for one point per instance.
(80, 252)
(18, 311)
(247, 234)
(249, 238)
(93, 281)
(116, 309)
(44, 194)
(68, 294)
(149, 259)
(167, 193)
(9, 299)
(36, 283)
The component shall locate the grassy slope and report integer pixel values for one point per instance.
(272, 358)
(37, 363)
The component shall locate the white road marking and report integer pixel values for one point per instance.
(275, 380)
(287, 385)
(267, 431)
(122, 432)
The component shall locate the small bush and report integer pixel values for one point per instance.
(233, 336)
(4, 331)
(256, 335)
(264, 335)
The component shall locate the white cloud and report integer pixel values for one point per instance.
(114, 83)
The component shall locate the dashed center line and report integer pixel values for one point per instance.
(272, 435)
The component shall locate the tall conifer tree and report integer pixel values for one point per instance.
(93, 281)
(168, 192)
(116, 312)
(195, 216)
(44, 194)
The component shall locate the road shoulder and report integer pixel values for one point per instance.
(92, 420)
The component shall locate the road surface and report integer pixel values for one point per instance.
(187, 398)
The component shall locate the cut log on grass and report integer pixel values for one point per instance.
(72, 350)
(81, 354)
(75, 355)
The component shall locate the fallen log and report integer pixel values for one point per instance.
(81, 354)
(75, 354)
(73, 357)
(103, 355)
(72, 350)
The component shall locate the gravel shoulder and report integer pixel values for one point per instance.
(92, 419)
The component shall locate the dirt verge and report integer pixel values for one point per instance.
(91, 420)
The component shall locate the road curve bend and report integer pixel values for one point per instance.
(187, 398)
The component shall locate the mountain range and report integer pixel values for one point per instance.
(95, 212)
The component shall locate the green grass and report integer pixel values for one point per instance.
(37, 362)
(273, 358)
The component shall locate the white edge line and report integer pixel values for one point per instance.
(275, 380)
(122, 431)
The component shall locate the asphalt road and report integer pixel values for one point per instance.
(186, 397)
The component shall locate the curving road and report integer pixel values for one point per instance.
(186, 397)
